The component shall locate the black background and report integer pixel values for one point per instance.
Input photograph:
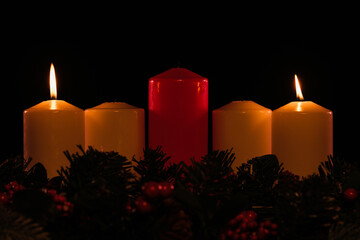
(109, 56)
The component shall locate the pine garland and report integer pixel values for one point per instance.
(100, 195)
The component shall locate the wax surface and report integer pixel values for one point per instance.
(50, 128)
(244, 126)
(116, 126)
(302, 136)
(178, 114)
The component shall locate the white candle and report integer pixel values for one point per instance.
(116, 126)
(302, 135)
(50, 128)
(244, 126)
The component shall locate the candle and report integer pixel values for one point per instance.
(50, 128)
(116, 126)
(178, 114)
(302, 135)
(244, 126)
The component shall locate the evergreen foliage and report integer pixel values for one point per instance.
(110, 201)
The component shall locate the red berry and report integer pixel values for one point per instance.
(61, 199)
(56, 198)
(267, 223)
(142, 205)
(165, 189)
(254, 236)
(229, 233)
(251, 215)
(243, 225)
(129, 208)
(151, 190)
(66, 207)
(274, 226)
(4, 198)
(350, 194)
(7, 187)
(59, 207)
(252, 224)
(14, 184)
(51, 192)
(243, 236)
(232, 222)
(240, 217)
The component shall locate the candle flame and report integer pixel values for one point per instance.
(299, 94)
(53, 91)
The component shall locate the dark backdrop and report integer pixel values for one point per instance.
(112, 61)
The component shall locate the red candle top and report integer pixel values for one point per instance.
(178, 74)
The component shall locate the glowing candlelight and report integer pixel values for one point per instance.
(52, 78)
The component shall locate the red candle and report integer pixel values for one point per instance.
(178, 114)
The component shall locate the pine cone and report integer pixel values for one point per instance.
(177, 226)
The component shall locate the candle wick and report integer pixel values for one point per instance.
(178, 64)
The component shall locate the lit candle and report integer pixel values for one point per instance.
(302, 135)
(178, 114)
(50, 128)
(244, 126)
(116, 126)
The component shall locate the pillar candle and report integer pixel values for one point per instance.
(178, 114)
(116, 126)
(244, 126)
(50, 128)
(302, 135)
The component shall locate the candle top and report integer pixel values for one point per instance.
(242, 106)
(54, 105)
(113, 105)
(303, 107)
(178, 73)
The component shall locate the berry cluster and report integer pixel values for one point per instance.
(65, 207)
(11, 188)
(245, 227)
(151, 191)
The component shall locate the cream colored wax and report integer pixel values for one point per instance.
(302, 136)
(116, 126)
(50, 128)
(244, 126)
